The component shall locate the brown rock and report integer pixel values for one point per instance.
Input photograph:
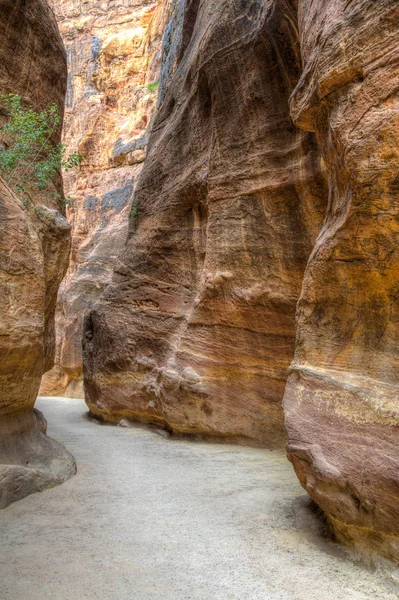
(34, 248)
(341, 402)
(197, 329)
(113, 62)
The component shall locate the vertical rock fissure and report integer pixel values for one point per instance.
(114, 61)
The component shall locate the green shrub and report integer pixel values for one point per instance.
(29, 158)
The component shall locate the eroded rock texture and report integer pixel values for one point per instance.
(34, 248)
(341, 401)
(197, 329)
(113, 53)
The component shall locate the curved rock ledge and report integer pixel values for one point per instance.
(30, 461)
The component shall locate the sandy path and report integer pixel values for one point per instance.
(149, 518)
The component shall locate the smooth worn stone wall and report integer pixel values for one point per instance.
(34, 250)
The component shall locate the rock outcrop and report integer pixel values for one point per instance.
(113, 51)
(341, 402)
(34, 249)
(197, 330)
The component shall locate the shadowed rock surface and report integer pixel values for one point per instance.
(34, 249)
(197, 329)
(341, 403)
(113, 51)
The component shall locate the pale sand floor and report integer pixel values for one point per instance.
(150, 518)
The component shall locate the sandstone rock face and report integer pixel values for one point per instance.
(113, 53)
(197, 329)
(341, 402)
(34, 249)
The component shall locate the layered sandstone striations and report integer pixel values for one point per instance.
(341, 403)
(113, 53)
(34, 249)
(197, 329)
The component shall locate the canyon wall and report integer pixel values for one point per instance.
(34, 249)
(197, 330)
(113, 50)
(341, 403)
(274, 146)
(270, 175)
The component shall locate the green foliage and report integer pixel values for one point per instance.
(133, 213)
(29, 158)
(152, 87)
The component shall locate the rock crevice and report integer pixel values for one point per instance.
(113, 57)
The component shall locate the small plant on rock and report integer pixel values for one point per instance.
(152, 87)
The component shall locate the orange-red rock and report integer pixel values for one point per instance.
(196, 330)
(113, 58)
(341, 403)
(34, 249)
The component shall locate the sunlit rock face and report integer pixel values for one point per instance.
(341, 403)
(197, 329)
(34, 249)
(113, 51)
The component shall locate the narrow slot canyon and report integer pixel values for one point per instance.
(199, 277)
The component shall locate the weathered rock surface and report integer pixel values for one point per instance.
(34, 248)
(341, 403)
(197, 329)
(113, 53)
